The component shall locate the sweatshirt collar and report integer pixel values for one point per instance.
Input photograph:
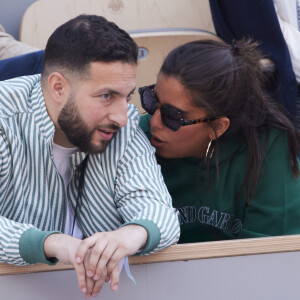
(228, 148)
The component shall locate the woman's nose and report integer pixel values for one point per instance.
(156, 122)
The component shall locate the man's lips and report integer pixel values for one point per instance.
(106, 134)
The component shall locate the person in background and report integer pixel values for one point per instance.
(9, 47)
(229, 155)
(288, 13)
(258, 20)
(79, 181)
(17, 58)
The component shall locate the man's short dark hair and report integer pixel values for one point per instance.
(85, 39)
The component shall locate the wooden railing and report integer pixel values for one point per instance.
(186, 252)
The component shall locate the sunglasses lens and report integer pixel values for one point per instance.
(149, 101)
(169, 116)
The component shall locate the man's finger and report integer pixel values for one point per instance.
(89, 281)
(81, 276)
(114, 284)
(83, 248)
(94, 258)
(103, 259)
(89, 287)
(119, 254)
(99, 284)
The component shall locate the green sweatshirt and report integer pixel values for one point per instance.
(215, 213)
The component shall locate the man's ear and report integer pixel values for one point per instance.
(220, 126)
(58, 87)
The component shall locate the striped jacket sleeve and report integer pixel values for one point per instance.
(142, 197)
(10, 231)
(20, 244)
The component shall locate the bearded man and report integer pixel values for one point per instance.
(79, 181)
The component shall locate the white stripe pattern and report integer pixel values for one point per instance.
(298, 13)
(124, 184)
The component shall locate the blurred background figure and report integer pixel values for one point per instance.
(9, 47)
(258, 19)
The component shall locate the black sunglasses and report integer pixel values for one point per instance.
(170, 116)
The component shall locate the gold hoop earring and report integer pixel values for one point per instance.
(210, 150)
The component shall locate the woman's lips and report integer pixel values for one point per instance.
(156, 142)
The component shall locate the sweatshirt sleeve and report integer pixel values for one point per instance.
(275, 207)
(141, 195)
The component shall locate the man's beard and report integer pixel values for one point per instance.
(77, 131)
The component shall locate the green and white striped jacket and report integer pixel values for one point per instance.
(122, 185)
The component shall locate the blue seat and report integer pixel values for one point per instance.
(26, 64)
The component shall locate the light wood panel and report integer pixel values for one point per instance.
(156, 26)
(186, 252)
(44, 16)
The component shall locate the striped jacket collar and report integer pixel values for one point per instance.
(44, 122)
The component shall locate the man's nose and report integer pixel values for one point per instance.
(118, 113)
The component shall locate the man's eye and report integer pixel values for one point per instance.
(129, 97)
(105, 96)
